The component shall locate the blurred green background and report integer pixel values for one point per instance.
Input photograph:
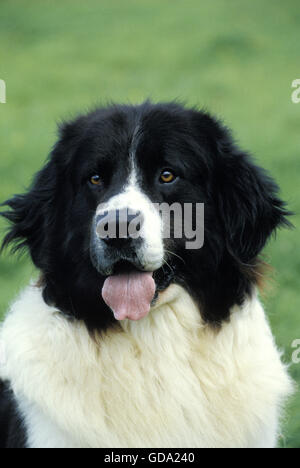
(236, 58)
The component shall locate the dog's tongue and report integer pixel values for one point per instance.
(129, 295)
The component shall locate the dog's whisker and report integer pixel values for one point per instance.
(175, 255)
(171, 268)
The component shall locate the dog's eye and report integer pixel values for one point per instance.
(167, 177)
(95, 180)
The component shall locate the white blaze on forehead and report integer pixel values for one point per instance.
(151, 252)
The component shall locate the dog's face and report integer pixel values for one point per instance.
(109, 171)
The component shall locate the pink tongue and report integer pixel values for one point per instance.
(129, 295)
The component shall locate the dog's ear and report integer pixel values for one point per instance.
(33, 215)
(30, 214)
(246, 197)
(248, 203)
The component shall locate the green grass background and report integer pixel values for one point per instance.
(235, 58)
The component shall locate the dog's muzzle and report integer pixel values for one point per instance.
(117, 239)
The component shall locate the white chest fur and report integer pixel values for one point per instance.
(165, 381)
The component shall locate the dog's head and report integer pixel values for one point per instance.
(92, 219)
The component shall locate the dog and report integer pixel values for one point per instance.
(138, 341)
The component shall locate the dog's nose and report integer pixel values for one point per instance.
(119, 227)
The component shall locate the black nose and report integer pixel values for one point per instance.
(119, 227)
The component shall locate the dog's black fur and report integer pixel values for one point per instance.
(53, 220)
(12, 429)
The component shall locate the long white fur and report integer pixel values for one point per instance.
(167, 380)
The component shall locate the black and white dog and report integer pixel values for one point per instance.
(141, 342)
